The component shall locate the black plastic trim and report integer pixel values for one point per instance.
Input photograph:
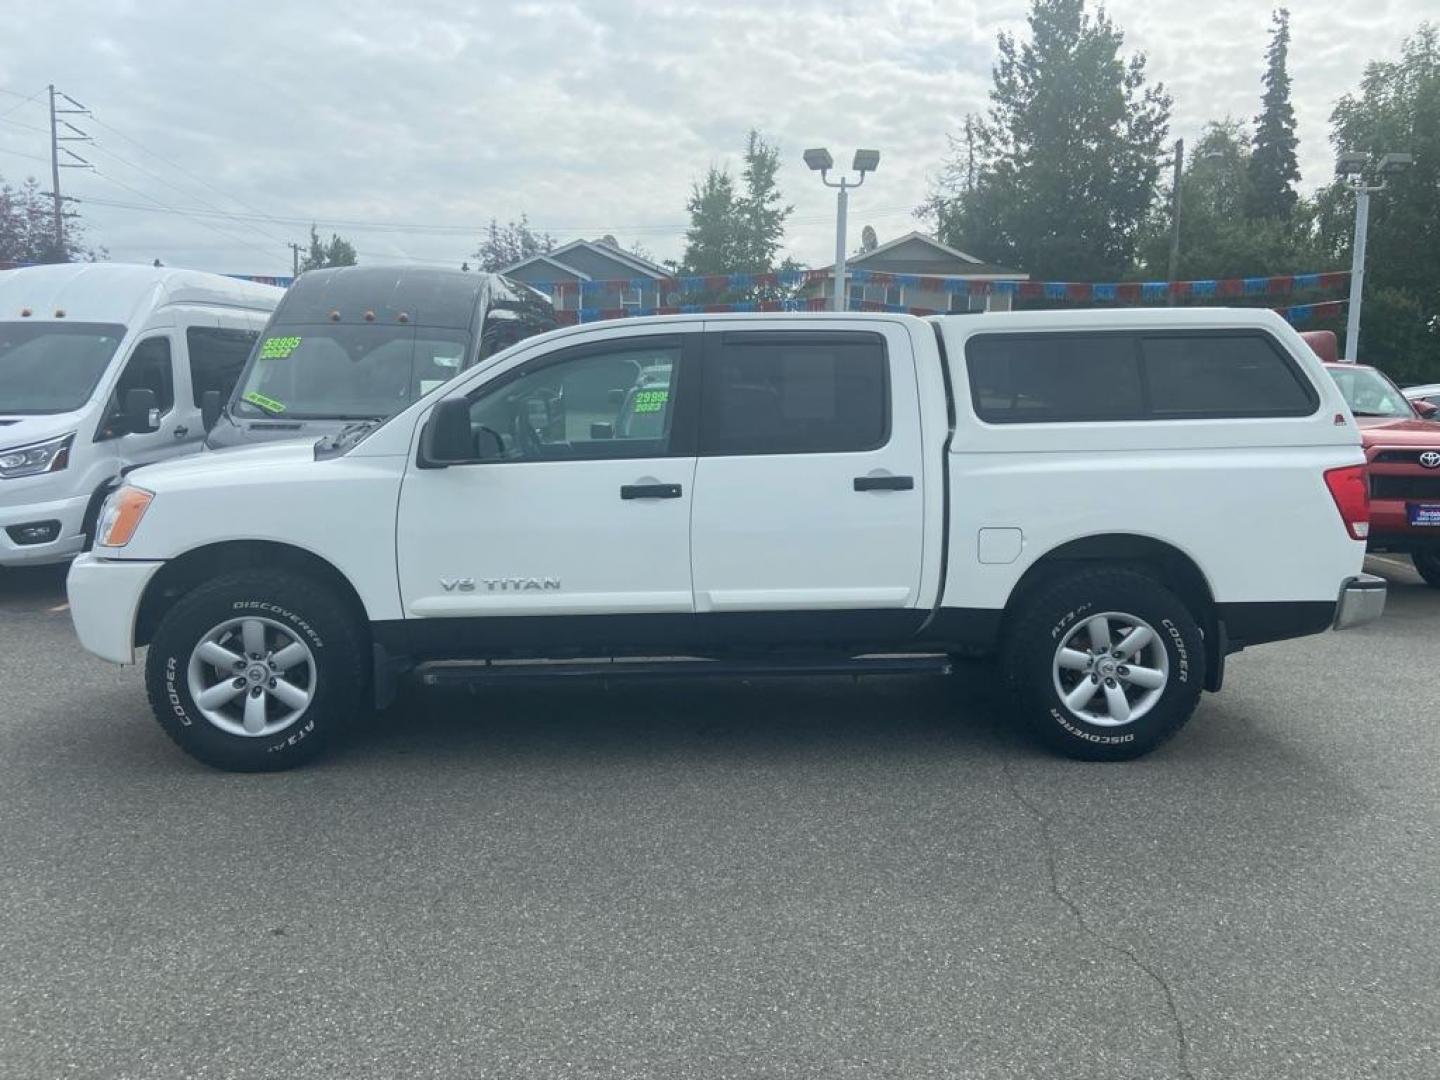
(1258, 622)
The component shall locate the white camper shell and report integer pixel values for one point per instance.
(76, 341)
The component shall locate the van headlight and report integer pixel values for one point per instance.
(120, 516)
(52, 455)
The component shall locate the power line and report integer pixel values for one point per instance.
(214, 228)
(23, 103)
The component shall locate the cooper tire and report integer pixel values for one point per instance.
(291, 611)
(1427, 565)
(1079, 608)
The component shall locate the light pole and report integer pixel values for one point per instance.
(820, 161)
(1175, 211)
(1350, 167)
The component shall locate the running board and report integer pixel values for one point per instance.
(474, 673)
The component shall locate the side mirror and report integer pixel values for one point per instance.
(447, 438)
(140, 412)
(209, 409)
(1426, 410)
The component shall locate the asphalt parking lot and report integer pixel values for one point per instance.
(811, 879)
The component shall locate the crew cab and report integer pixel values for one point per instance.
(1402, 447)
(1107, 503)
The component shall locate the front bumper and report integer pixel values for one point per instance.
(70, 513)
(1362, 600)
(105, 599)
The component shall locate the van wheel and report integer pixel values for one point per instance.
(1427, 565)
(1108, 664)
(255, 670)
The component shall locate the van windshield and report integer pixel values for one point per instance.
(346, 372)
(52, 367)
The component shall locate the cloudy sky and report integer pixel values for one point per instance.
(406, 126)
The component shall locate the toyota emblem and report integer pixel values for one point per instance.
(1430, 459)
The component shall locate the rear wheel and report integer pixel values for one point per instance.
(1109, 663)
(1427, 564)
(255, 671)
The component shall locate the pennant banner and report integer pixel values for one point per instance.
(1074, 292)
(1298, 314)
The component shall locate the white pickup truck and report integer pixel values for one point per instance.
(1107, 502)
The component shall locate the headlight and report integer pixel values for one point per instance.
(120, 516)
(52, 455)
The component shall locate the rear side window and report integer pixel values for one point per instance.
(1202, 375)
(1059, 377)
(1034, 378)
(794, 393)
(217, 356)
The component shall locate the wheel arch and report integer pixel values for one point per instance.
(1170, 565)
(182, 574)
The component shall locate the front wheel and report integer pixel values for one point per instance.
(1109, 663)
(1427, 564)
(255, 671)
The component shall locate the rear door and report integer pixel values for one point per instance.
(808, 483)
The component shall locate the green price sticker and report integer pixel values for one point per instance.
(278, 348)
(651, 401)
(263, 402)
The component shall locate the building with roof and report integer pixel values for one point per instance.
(943, 275)
(566, 271)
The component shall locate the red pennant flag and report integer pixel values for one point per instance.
(1280, 284)
(1128, 292)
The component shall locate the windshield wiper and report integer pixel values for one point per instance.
(346, 437)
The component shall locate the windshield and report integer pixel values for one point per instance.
(346, 372)
(53, 367)
(1368, 393)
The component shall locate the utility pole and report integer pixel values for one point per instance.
(56, 138)
(1175, 211)
(294, 260)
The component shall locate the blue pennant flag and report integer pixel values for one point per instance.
(1104, 292)
(1205, 287)
(1307, 281)
(741, 282)
(1255, 285)
(1154, 290)
(1055, 290)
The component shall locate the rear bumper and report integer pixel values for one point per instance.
(104, 599)
(1362, 600)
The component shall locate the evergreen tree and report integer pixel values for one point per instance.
(1060, 175)
(1273, 169)
(505, 245)
(338, 252)
(737, 231)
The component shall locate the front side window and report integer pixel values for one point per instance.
(217, 356)
(603, 403)
(347, 372)
(149, 368)
(53, 367)
(1368, 393)
(794, 393)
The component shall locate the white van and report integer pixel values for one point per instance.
(102, 369)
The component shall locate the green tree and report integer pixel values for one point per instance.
(338, 252)
(505, 245)
(1397, 109)
(1060, 175)
(1273, 168)
(27, 228)
(1216, 238)
(737, 230)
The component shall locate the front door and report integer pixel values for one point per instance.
(153, 365)
(580, 508)
(808, 486)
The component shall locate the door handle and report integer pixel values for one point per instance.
(649, 491)
(884, 483)
(181, 431)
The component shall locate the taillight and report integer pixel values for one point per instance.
(1351, 491)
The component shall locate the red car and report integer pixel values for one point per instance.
(1402, 446)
